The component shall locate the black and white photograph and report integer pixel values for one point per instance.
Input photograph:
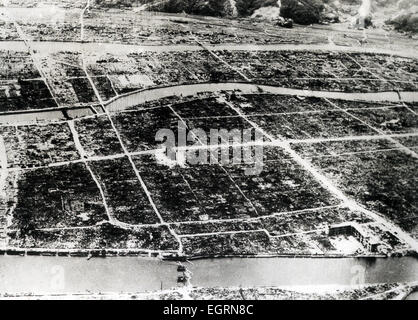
(208, 150)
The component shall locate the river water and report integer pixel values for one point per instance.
(412, 296)
(130, 274)
(51, 47)
(132, 99)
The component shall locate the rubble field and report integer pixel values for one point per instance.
(337, 175)
(214, 209)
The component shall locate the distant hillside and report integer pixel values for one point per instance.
(406, 17)
(302, 11)
(402, 14)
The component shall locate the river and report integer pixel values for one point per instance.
(130, 274)
(51, 47)
(131, 99)
(412, 296)
(135, 98)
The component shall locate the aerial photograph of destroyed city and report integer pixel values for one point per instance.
(209, 149)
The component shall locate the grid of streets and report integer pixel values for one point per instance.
(286, 149)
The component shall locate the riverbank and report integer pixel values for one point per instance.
(51, 47)
(174, 256)
(413, 295)
(134, 98)
(394, 291)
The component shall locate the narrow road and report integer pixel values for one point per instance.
(82, 20)
(128, 155)
(83, 156)
(378, 131)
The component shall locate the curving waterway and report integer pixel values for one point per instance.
(136, 274)
(132, 99)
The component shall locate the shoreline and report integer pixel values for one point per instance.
(173, 256)
(404, 290)
(48, 46)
